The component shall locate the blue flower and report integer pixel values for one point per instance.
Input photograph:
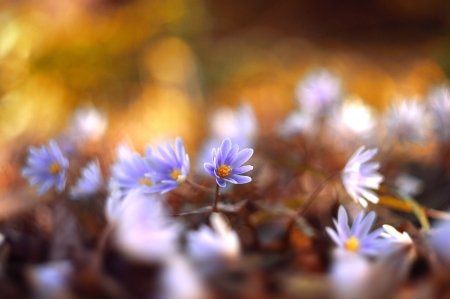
(357, 239)
(130, 171)
(439, 102)
(359, 175)
(226, 164)
(46, 167)
(90, 182)
(170, 169)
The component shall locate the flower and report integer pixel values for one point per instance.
(319, 92)
(170, 169)
(47, 167)
(408, 120)
(357, 239)
(358, 175)
(88, 124)
(408, 185)
(297, 122)
(145, 231)
(439, 102)
(130, 171)
(395, 236)
(354, 120)
(440, 241)
(90, 182)
(239, 125)
(226, 164)
(220, 242)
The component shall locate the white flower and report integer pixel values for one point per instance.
(439, 101)
(359, 175)
(88, 123)
(145, 230)
(408, 120)
(353, 120)
(90, 182)
(408, 185)
(395, 236)
(209, 245)
(239, 125)
(180, 280)
(319, 92)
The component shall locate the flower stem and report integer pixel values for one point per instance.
(200, 187)
(216, 200)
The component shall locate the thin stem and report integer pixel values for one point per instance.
(200, 187)
(216, 200)
(313, 195)
(97, 264)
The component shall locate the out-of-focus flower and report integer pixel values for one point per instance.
(46, 167)
(113, 205)
(180, 280)
(226, 164)
(239, 125)
(169, 169)
(439, 102)
(319, 92)
(440, 241)
(359, 175)
(394, 236)
(353, 120)
(145, 231)
(297, 122)
(51, 280)
(216, 244)
(130, 171)
(408, 120)
(357, 239)
(88, 124)
(408, 185)
(90, 182)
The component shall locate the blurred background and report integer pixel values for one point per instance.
(158, 68)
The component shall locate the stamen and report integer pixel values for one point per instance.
(54, 168)
(175, 174)
(352, 244)
(145, 181)
(223, 171)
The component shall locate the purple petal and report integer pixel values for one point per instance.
(242, 157)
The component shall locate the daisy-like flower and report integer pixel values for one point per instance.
(408, 121)
(226, 164)
(90, 182)
(46, 167)
(88, 124)
(439, 102)
(359, 175)
(130, 171)
(217, 243)
(170, 169)
(357, 238)
(393, 235)
(145, 230)
(319, 92)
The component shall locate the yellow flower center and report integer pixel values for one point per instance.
(145, 181)
(223, 171)
(54, 168)
(352, 244)
(175, 174)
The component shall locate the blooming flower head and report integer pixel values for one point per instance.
(408, 121)
(394, 236)
(357, 238)
(239, 125)
(359, 175)
(439, 102)
(130, 170)
(46, 167)
(226, 164)
(145, 230)
(353, 120)
(217, 243)
(88, 124)
(90, 182)
(319, 92)
(170, 169)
